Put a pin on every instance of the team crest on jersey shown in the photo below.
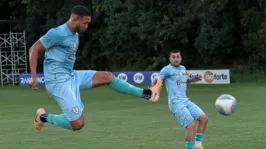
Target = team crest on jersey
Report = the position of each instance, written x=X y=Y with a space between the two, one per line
x=188 y=118
x=75 y=110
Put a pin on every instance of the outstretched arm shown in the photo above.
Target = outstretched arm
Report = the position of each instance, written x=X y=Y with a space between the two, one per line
x=194 y=79
x=189 y=80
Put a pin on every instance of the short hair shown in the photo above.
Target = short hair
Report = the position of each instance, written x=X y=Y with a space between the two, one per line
x=174 y=51
x=80 y=11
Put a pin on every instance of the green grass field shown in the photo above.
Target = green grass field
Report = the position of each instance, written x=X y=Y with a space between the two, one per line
x=116 y=121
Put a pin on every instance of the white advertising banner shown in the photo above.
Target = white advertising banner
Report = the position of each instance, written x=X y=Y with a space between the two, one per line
x=219 y=76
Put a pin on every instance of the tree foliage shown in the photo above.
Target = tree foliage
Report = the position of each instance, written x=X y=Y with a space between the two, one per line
x=137 y=34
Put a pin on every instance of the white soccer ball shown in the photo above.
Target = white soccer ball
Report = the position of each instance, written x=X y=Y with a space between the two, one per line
x=225 y=104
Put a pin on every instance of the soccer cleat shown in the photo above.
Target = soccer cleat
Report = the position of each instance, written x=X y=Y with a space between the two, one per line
x=38 y=124
x=156 y=90
x=198 y=147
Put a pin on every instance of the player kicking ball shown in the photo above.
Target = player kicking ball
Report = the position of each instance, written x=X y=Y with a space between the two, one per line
x=63 y=83
x=175 y=79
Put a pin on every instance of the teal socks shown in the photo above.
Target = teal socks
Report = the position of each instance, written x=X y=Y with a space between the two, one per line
x=59 y=120
x=198 y=141
x=126 y=88
x=190 y=145
x=199 y=138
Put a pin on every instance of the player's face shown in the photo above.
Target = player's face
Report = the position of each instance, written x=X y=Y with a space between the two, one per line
x=175 y=59
x=82 y=23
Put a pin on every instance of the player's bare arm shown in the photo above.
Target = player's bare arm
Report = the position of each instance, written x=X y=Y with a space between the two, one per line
x=158 y=82
x=35 y=49
x=194 y=79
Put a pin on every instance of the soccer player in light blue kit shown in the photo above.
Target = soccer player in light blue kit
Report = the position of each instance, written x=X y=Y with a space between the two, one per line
x=63 y=83
x=175 y=79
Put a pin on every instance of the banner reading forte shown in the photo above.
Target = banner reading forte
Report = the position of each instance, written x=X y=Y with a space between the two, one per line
x=211 y=76
x=146 y=77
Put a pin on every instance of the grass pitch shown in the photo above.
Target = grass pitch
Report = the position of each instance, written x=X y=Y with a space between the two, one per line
x=117 y=121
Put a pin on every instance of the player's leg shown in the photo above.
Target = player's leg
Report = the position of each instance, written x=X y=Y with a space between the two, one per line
x=203 y=121
x=186 y=121
x=190 y=135
x=99 y=78
x=67 y=95
x=199 y=115
x=60 y=120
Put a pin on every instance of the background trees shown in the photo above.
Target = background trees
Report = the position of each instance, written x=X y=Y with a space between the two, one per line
x=210 y=33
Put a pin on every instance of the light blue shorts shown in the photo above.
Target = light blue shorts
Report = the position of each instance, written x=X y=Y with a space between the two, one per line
x=185 y=113
x=67 y=94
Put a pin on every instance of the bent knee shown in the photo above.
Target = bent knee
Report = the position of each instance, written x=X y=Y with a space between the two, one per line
x=106 y=76
x=78 y=124
x=203 y=118
x=109 y=77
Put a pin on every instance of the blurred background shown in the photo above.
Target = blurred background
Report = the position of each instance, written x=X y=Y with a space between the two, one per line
x=210 y=33
x=222 y=41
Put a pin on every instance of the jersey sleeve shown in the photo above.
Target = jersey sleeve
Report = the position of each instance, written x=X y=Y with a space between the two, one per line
x=163 y=73
x=184 y=68
x=50 y=39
